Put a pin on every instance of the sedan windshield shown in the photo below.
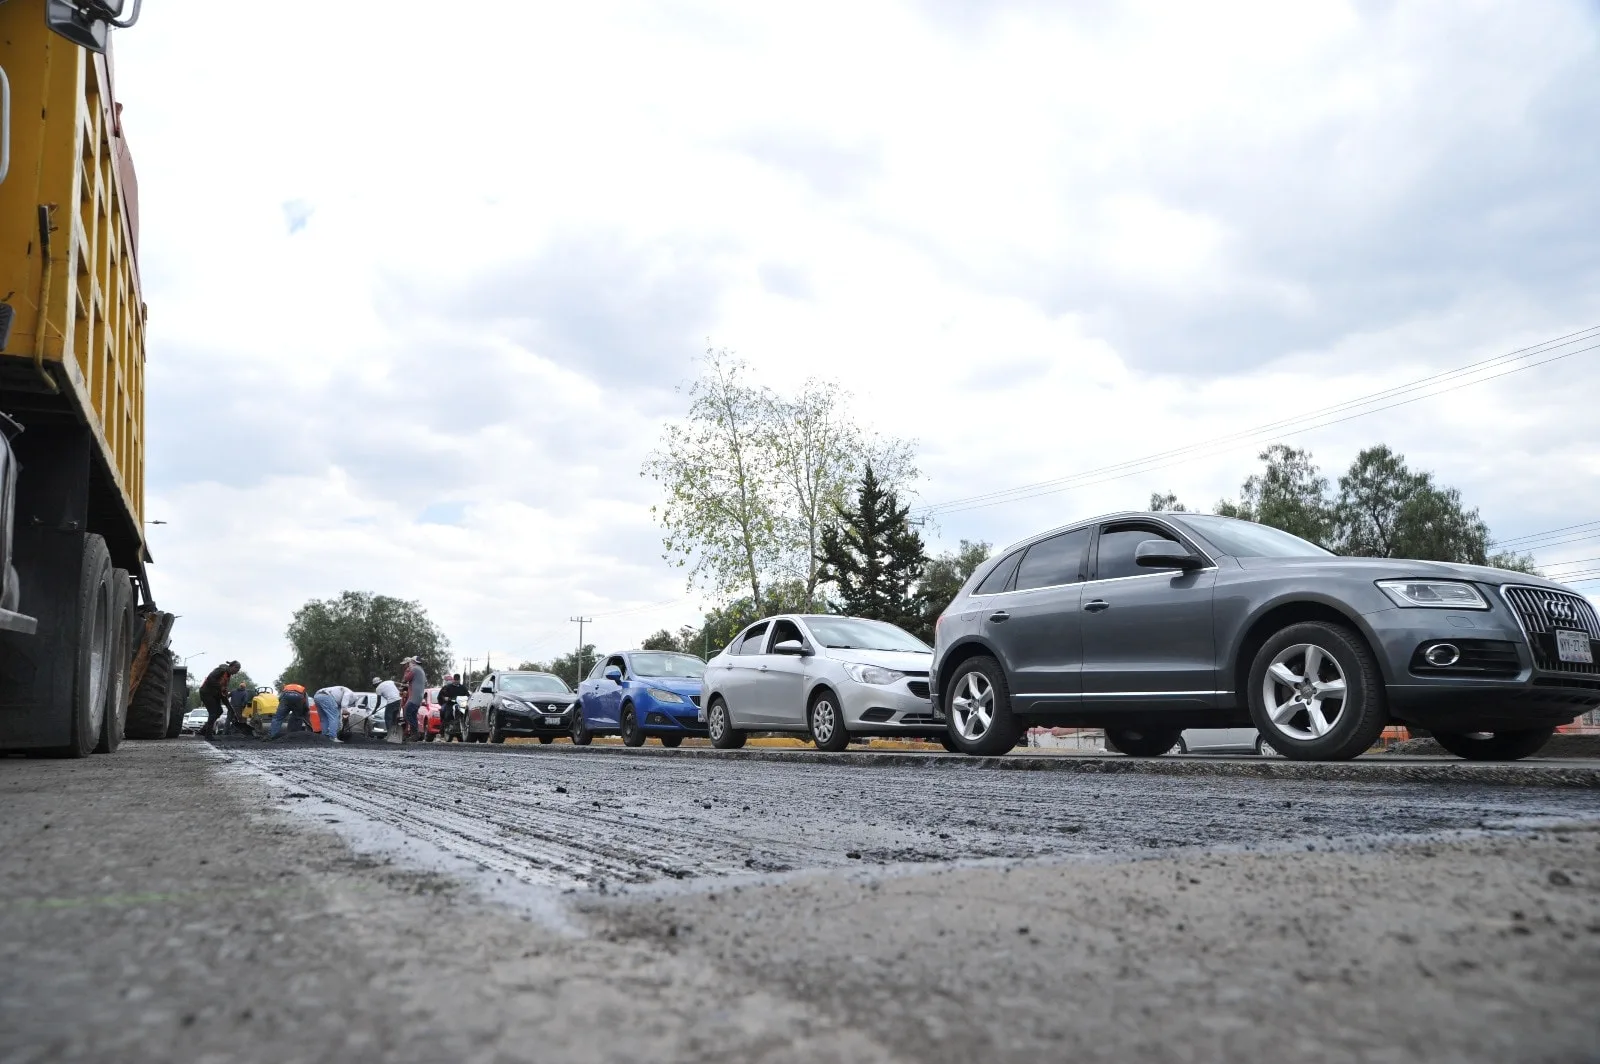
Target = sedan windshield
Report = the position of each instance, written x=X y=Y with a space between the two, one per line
x=853 y=633
x=679 y=666
x=532 y=683
x=1246 y=539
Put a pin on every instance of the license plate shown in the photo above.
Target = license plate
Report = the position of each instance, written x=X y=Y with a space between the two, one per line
x=552 y=720
x=700 y=715
x=1573 y=647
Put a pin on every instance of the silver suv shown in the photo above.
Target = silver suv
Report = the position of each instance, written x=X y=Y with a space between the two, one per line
x=1145 y=624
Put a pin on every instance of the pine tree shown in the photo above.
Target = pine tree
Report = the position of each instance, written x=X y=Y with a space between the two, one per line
x=874 y=557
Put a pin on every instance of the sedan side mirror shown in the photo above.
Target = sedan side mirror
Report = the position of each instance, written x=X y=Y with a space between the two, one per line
x=614 y=674
x=1165 y=554
x=791 y=646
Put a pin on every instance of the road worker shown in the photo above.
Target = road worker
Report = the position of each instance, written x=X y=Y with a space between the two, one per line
x=292 y=699
x=213 y=690
x=331 y=705
x=238 y=698
x=416 y=681
x=389 y=699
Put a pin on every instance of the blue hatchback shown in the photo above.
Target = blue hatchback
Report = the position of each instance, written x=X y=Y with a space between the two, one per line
x=640 y=693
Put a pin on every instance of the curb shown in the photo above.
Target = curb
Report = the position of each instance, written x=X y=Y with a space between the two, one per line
x=1372 y=770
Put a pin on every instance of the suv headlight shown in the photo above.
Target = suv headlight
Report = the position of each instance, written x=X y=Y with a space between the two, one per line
x=872 y=674
x=661 y=695
x=1434 y=594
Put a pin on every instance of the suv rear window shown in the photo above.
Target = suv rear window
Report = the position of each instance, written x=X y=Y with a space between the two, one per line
x=999 y=577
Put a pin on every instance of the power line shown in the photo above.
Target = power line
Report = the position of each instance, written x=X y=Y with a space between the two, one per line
x=1541 y=535
x=1571 y=561
x=1285 y=428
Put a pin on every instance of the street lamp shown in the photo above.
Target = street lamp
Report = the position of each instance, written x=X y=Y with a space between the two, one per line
x=194 y=655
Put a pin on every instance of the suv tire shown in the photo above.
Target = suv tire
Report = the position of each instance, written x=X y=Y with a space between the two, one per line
x=580 y=733
x=979 y=686
x=1495 y=746
x=1144 y=742
x=1303 y=668
x=719 y=725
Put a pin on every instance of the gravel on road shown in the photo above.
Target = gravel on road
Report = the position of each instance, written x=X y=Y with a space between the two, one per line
x=187 y=901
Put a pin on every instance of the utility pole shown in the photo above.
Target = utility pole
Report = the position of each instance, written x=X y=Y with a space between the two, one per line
x=466 y=677
x=580 y=622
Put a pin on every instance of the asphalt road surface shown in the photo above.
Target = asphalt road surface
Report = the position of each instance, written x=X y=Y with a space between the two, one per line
x=234 y=901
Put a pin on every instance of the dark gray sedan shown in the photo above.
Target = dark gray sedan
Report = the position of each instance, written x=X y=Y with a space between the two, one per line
x=1146 y=624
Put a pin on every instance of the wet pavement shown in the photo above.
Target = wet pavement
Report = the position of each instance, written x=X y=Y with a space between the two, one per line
x=575 y=819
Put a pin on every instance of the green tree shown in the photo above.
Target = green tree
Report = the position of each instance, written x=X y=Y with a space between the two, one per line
x=721 y=511
x=1167 y=503
x=681 y=641
x=350 y=639
x=751 y=479
x=874 y=557
x=942 y=577
x=818 y=451
x=1290 y=493
x=1387 y=510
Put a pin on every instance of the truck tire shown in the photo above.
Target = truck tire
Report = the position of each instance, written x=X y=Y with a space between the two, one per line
x=92 y=664
x=178 y=702
x=116 y=711
x=152 y=703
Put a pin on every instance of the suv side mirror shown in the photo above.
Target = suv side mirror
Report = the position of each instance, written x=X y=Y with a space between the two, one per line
x=1165 y=554
x=791 y=646
x=614 y=674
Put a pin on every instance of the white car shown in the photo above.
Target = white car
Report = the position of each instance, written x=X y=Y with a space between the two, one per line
x=1224 y=741
x=195 y=719
x=832 y=678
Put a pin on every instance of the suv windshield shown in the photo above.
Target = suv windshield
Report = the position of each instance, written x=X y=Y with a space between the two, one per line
x=532 y=683
x=683 y=666
x=1246 y=539
x=853 y=633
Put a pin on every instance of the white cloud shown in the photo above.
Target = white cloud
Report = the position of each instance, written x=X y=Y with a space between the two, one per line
x=419 y=286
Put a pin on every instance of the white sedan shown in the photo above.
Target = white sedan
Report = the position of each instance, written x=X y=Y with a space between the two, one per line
x=1224 y=741
x=195 y=719
x=832 y=678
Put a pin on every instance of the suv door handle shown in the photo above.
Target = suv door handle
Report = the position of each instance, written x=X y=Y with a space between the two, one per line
x=763 y=668
x=1096 y=605
x=1000 y=615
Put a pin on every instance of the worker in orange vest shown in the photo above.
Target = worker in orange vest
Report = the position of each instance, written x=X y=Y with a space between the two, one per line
x=292 y=700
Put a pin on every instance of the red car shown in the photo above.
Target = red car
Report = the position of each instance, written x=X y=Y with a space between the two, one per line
x=427 y=713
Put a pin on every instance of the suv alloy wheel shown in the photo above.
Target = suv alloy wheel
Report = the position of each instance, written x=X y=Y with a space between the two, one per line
x=1316 y=693
x=977 y=704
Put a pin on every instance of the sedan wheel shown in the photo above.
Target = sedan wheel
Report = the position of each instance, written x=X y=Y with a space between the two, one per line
x=978 y=707
x=1264 y=748
x=1316 y=694
x=495 y=734
x=827 y=723
x=632 y=734
x=546 y=740
x=724 y=736
x=671 y=742
x=581 y=736
x=1495 y=746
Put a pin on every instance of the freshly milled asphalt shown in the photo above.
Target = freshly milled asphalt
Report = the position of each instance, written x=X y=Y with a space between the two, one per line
x=190 y=901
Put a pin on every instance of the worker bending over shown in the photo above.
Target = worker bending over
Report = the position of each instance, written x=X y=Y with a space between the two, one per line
x=291 y=700
x=331 y=704
x=213 y=690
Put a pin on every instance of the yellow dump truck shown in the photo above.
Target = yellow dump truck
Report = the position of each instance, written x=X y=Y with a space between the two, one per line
x=83 y=648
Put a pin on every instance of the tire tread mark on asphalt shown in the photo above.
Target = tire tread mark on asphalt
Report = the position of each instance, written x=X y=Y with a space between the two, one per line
x=652 y=822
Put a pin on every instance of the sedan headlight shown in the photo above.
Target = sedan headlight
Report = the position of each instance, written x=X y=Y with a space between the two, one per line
x=872 y=674
x=1434 y=594
x=516 y=705
x=661 y=695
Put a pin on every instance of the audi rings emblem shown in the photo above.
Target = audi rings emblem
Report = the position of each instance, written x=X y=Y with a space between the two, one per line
x=1561 y=610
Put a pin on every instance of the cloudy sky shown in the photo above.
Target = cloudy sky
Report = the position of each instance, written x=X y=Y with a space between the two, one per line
x=421 y=285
